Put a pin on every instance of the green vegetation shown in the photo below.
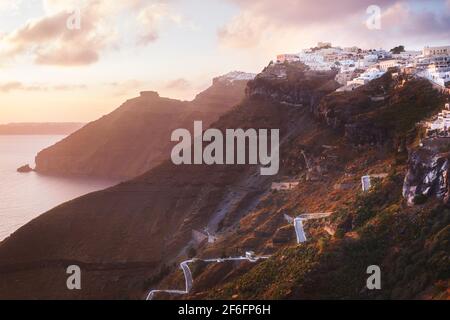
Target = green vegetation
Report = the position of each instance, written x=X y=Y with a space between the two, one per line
x=398 y=49
x=191 y=253
x=411 y=248
x=273 y=278
x=155 y=279
x=416 y=101
x=411 y=245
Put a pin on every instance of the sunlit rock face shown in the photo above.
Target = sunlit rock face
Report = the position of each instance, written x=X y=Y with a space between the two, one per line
x=292 y=84
x=136 y=136
x=427 y=176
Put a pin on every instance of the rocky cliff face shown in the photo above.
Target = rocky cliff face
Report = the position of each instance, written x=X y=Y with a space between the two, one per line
x=136 y=137
x=129 y=239
x=427 y=176
x=292 y=84
x=381 y=112
x=352 y=112
x=141 y=227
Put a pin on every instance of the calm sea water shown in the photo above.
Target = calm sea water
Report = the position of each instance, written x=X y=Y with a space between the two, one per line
x=24 y=196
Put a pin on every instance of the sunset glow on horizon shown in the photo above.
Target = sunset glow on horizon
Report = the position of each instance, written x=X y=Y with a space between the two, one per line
x=49 y=72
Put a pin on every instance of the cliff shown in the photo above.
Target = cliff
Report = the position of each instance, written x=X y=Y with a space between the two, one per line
x=136 y=137
x=129 y=239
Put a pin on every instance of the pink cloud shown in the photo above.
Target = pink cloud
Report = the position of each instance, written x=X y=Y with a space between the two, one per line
x=243 y=31
x=19 y=86
x=50 y=41
x=178 y=84
x=10 y=86
x=150 y=18
x=260 y=21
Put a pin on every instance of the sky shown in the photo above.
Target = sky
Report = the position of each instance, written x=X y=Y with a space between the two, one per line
x=76 y=60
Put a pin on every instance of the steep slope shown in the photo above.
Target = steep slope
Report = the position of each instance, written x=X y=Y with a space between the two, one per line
x=130 y=238
x=127 y=236
x=409 y=243
x=136 y=137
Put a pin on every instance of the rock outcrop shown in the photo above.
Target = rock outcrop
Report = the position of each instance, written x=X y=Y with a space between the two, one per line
x=292 y=84
x=427 y=176
x=132 y=231
x=25 y=169
x=127 y=238
x=136 y=137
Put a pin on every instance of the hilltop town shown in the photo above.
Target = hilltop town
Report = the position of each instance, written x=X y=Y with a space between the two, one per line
x=361 y=182
x=357 y=67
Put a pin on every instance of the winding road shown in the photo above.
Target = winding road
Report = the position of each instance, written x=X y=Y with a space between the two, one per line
x=189 y=282
x=298 y=223
x=188 y=274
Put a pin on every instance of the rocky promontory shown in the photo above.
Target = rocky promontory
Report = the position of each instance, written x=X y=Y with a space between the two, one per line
x=136 y=137
x=25 y=169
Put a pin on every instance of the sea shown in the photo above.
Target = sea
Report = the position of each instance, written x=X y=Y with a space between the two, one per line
x=25 y=196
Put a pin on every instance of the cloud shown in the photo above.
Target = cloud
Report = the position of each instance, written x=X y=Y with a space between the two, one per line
x=150 y=19
x=243 y=31
x=263 y=21
x=10 y=86
x=78 y=32
x=65 y=38
x=306 y=12
x=19 y=86
x=10 y=6
x=178 y=84
x=127 y=87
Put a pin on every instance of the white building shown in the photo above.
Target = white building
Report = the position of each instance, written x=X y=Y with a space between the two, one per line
x=366 y=183
x=284 y=186
x=386 y=64
x=366 y=61
x=250 y=255
x=422 y=62
x=371 y=57
x=346 y=65
x=315 y=61
x=438 y=75
x=442 y=122
x=407 y=55
x=286 y=57
x=433 y=51
x=367 y=76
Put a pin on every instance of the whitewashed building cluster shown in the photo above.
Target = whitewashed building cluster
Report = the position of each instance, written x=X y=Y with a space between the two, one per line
x=434 y=65
x=440 y=125
x=356 y=67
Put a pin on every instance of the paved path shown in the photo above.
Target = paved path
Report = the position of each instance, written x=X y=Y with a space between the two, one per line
x=299 y=231
x=189 y=282
x=298 y=223
x=188 y=274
